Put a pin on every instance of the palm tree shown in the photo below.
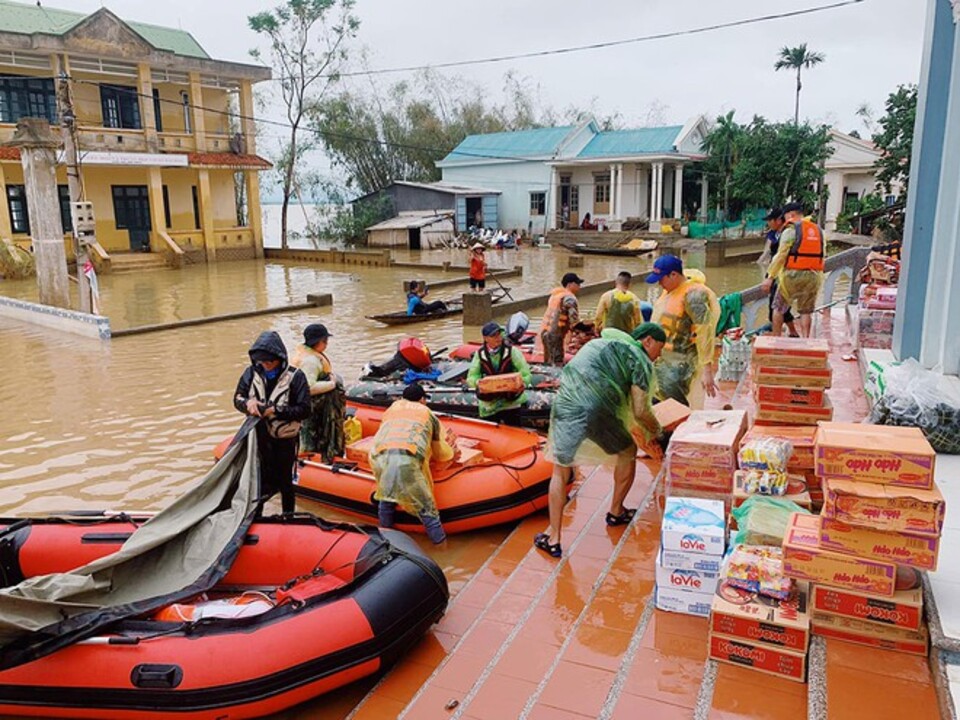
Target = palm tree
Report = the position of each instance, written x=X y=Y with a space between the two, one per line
x=722 y=145
x=796 y=59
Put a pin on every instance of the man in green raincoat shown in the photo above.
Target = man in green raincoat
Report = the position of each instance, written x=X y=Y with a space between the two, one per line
x=496 y=357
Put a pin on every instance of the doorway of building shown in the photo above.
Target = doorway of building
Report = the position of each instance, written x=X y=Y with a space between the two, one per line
x=414 y=238
x=569 y=209
x=131 y=209
x=475 y=212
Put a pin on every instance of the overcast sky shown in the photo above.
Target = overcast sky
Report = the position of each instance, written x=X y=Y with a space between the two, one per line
x=870 y=48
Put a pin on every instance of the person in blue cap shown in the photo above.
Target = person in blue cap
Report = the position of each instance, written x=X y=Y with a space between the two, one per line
x=688 y=311
x=497 y=357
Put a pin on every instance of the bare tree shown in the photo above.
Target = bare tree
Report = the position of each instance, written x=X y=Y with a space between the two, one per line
x=308 y=40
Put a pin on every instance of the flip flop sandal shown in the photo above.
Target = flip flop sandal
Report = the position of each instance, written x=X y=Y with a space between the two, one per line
x=542 y=542
x=622 y=519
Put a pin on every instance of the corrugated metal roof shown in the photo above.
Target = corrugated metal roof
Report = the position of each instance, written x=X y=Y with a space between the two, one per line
x=26 y=19
x=411 y=220
x=538 y=142
x=642 y=141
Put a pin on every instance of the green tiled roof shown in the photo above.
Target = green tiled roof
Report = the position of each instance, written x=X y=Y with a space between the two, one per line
x=538 y=142
x=642 y=141
x=16 y=17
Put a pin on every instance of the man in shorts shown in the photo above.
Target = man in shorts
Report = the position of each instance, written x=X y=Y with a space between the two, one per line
x=603 y=407
x=798 y=268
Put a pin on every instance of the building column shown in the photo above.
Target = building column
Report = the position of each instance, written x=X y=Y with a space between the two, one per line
x=678 y=191
x=206 y=214
x=196 y=112
x=929 y=148
x=619 y=191
x=656 y=197
x=6 y=230
x=551 y=202
x=147 y=117
x=704 y=198
x=158 y=219
x=248 y=127
x=254 y=213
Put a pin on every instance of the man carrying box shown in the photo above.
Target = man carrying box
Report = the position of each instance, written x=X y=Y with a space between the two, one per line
x=496 y=357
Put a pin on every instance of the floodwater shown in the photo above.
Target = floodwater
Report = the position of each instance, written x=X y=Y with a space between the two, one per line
x=130 y=423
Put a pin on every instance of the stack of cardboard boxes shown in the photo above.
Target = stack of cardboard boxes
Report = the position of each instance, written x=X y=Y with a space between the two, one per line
x=692 y=541
x=881 y=522
x=702 y=455
x=790 y=378
x=799 y=466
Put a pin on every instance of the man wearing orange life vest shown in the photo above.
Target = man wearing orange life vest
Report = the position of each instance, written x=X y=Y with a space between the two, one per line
x=410 y=436
x=798 y=268
x=563 y=312
x=688 y=311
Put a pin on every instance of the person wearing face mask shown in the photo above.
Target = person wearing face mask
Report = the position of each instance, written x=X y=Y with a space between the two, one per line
x=271 y=389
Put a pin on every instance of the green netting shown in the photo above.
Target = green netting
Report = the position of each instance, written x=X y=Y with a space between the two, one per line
x=751 y=222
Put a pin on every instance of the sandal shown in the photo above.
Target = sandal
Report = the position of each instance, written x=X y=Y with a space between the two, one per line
x=623 y=518
x=542 y=542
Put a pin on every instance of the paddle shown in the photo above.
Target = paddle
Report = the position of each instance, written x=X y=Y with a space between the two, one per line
x=505 y=290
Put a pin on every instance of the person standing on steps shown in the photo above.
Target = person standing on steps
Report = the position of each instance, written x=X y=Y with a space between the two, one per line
x=278 y=393
x=774 y=225
x=602 y=409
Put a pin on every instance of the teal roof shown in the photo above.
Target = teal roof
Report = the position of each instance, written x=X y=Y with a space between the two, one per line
x=25 y=19
x=519 y=144
x=642 y=141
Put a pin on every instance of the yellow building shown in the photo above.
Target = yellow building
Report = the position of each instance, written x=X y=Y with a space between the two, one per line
x=166 y=136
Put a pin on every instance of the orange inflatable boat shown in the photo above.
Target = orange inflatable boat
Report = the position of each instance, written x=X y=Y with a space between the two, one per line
x=502 y=476
x=306 y=607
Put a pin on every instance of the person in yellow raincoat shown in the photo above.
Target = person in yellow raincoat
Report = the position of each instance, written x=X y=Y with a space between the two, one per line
x=798 y=269
x=619 y=308
x=601 y=412
x=410 y=436
x=688 y=311
x=322 y=432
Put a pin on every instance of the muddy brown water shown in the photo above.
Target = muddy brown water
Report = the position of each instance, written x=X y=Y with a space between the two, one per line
x=130 y=423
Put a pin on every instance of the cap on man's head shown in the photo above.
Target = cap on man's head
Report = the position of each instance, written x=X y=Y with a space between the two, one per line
x=414 y=392
x=649 y=329
x=490 y=329
x=774 y=214
x=663 y=266
x=792 y=207
x=312 y=334
x=572 y=278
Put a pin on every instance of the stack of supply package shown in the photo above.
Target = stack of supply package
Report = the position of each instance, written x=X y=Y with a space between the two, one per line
x=802 y=484
x=702 y=456
x=881 y=523
x=877 y=304
x=790 y=377
x=692 y=541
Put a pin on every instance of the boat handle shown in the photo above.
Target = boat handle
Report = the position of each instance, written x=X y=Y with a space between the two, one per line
x=156 y=676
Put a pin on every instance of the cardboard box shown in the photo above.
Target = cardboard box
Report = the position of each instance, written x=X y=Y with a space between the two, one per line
x=690 y=561
x=683 y=474
x=505 y=384
x=794 y=414
x=804 y=559
x=359 y=451
x=764 y=658
x=670 y=414
x=875 y=453
x=866 y=633
x=903 y=610
x=796 y=490
x=904 y=549
x=693 y=525
x=683 y=601
x=790 y=395
x=709 y=437
x=884 y=507
x=778 y=623
x=792 y=377
x=664 y=492
x=786 y=352
x=696 y=581
x=801 y=437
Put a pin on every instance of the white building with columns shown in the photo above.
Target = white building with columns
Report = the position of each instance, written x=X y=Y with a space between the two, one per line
x=551 y=178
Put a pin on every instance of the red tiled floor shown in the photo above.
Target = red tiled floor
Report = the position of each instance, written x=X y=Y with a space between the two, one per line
x=486 y=638
x=432 y=705
x=733 y=699
x=528 y=582
x=876 y=660
x=671 y=679
x=403 y=681
x=527 y=660
x=635 y=707
x=477 y=594
x=598 y=647
x=578 y=688
x=546 y=712
x=501 y=696
x=509 y=608
x=458 y=619
x=377 y=708
x=856 y=694
x=460 y=671
x=734 y=675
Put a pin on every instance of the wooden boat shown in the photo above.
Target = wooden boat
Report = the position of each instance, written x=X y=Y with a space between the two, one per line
x=328 y=604
x=454 y=400
x=642 y=248
x=454 y=307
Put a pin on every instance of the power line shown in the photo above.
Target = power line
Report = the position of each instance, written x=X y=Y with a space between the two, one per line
x=600 y=45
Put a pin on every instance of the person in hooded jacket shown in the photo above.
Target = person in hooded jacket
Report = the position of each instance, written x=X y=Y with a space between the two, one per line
x=279 y=394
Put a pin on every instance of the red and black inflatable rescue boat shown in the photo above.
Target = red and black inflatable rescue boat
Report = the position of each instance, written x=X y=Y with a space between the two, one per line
x=337 y=603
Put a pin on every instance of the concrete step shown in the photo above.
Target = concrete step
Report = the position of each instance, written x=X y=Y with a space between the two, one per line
x=135 y=262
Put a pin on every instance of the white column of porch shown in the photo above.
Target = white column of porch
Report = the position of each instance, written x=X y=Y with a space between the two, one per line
x=704 y=197
x=656 y=196
x=619 y=212
x=678 y=190
x=549 y=207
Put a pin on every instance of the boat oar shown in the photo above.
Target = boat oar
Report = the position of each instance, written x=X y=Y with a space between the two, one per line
x=505 y=290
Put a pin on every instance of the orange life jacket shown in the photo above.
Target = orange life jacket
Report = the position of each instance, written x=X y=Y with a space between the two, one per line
x=406 y=426
x=554 y=320
x=670 y=311
x=807 y=251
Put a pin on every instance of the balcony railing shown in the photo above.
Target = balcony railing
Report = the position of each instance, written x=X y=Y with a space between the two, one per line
x=115 y=139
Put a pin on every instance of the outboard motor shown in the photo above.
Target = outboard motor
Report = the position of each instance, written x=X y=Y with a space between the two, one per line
x=517 y=326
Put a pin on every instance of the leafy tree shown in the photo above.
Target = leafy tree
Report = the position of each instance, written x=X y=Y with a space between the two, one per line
x=722 y=145
x=308 y=40
x=798 y=58
x=895 y=138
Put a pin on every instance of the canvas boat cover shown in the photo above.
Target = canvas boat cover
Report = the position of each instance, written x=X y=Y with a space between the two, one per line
x=180 y=552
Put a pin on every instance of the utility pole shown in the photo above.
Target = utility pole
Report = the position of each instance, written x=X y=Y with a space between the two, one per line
x=68 y=127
